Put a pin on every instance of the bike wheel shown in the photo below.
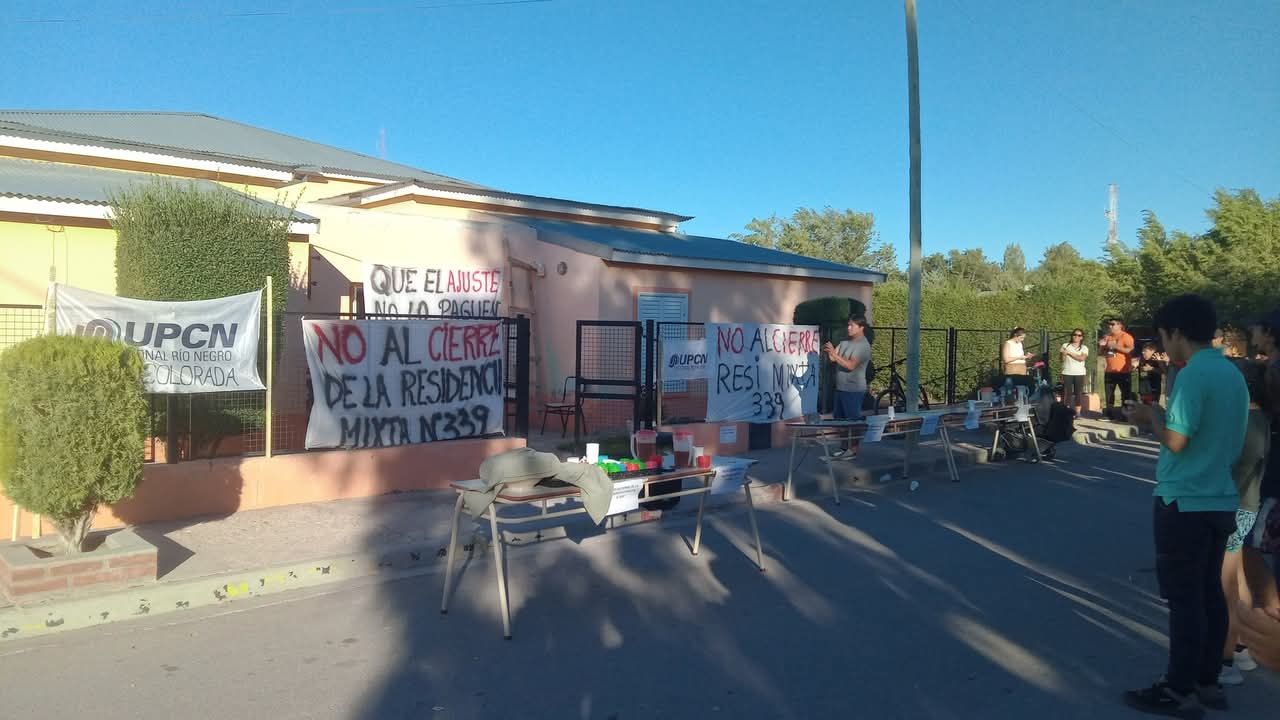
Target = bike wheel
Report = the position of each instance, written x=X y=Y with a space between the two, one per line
x=888 y=399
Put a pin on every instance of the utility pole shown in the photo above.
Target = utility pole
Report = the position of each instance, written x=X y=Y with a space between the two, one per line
x=914 y=267
x=1113 y=196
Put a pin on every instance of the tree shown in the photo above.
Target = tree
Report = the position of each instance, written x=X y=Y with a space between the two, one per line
x=1236 y=263
x=1013 y=268
x=841 y=236
x=72 y=423
x=184 y=241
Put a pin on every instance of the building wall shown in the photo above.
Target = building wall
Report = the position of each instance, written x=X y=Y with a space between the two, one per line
x=322 y=268
x=227 y=485
x=80 y=256
x=717 y=296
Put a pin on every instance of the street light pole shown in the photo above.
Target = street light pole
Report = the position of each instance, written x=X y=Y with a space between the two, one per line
x=914 y=268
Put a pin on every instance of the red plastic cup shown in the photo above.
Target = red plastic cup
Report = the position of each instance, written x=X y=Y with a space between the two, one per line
x=704 y=462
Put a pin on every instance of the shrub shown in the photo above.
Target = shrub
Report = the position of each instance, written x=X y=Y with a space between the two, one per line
x=186 y=241
x=72 y=421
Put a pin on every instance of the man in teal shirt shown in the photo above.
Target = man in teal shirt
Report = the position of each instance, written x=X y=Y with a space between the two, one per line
x=1201 y=435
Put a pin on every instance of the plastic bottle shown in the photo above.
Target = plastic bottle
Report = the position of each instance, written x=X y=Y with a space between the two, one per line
x=1007 y=395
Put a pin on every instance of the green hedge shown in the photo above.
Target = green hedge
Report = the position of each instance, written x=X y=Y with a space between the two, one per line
x=983 y=321
x=72 y=423
x=831 y=314
x=183 y=241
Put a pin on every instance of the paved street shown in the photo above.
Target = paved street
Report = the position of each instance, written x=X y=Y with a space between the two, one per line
x=1023 y=591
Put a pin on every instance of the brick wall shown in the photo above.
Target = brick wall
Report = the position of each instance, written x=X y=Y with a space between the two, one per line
x=25 y=578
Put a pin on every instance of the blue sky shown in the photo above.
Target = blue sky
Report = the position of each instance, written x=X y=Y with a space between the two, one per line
x=722 y=110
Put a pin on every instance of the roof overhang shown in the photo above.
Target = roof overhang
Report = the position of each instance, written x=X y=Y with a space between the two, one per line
x=142 y=157
x=615 y=256
x=96 y=211
x=608 y=254
x=91 y=152
x=585 y=212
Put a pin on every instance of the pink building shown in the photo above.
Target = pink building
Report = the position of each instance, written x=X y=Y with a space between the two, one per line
x=561 y=261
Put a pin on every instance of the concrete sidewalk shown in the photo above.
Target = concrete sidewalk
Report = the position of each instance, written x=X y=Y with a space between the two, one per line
x=209 y=561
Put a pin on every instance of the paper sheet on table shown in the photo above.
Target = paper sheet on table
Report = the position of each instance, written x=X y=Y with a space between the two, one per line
x=971 y=419
x=929 y=423
x=875 y=428
x=1023 y=414
x=626 y=496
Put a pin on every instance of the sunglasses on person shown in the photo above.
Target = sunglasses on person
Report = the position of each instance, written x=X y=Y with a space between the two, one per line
x=1075 y=335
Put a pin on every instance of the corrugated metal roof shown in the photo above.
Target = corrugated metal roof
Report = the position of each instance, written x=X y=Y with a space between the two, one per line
x=203 y=136
x=38 y=180
x=651 y=247
x=566 y=205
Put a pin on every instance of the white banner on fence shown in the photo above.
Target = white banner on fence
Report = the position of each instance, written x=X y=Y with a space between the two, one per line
x=432 y=291
x=762 y=373
x=186 y=347
x=382 y=383
x=685 y=360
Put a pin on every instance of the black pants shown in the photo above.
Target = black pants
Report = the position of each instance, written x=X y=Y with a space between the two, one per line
x=1189 y=548
x=1072 y=390
x=1120 y=380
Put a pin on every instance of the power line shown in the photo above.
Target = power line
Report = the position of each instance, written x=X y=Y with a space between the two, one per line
x=1079 y=107
x=248 y=14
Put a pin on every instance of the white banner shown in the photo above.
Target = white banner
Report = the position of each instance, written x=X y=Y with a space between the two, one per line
x=382 y=383
x=685 y=360
x=432 y=291
x=186 y=347
x=762 y=373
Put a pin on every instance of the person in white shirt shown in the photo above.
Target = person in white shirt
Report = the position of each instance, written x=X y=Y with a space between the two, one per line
x=1074 y=354
x=1013 y=357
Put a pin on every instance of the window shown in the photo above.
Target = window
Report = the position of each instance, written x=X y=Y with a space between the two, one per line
x=663 y=307
x=356 y=292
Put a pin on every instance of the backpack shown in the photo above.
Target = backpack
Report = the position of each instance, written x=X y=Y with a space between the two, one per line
x=1060 y=424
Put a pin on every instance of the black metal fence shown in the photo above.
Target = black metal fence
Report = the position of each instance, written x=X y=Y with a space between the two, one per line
x=955 y=363
x=20 y=322
x=613 y=359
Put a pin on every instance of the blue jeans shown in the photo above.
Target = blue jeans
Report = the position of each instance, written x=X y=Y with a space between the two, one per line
x=848 y=405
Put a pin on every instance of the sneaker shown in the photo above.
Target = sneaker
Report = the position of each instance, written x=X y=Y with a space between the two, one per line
x=1230 y=675
x=1212 y=697
x=1245 y=661
x=1160 y=699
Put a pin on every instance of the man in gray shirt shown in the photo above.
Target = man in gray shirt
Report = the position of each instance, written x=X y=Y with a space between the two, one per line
x=851 y=359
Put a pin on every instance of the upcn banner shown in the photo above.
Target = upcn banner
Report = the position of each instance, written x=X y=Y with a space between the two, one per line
x=685 y=360
x=382 y=383
x=187 y=347
x=762 y=373
x=432 y=291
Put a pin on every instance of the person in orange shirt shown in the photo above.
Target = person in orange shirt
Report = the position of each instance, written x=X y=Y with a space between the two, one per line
x=1116 y=346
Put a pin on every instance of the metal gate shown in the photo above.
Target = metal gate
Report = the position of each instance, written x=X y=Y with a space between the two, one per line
x=611 y=389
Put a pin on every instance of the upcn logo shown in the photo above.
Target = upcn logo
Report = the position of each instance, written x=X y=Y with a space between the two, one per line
x=690 y=360
x=194 y=336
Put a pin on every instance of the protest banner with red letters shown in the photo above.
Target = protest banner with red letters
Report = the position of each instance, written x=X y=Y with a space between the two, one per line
x=762 y=373
x=383 y=383
x=432 y=291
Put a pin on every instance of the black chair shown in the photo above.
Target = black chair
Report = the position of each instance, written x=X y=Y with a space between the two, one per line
x=565 y=408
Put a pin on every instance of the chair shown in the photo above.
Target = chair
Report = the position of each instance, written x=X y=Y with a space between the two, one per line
x=565 y=408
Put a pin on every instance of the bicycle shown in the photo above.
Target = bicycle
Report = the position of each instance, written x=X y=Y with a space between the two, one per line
x=896 y=395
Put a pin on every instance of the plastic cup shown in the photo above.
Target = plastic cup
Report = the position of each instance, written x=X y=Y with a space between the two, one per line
x=593 y=453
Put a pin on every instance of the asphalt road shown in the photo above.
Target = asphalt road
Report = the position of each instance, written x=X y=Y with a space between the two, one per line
x=1023 y=591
